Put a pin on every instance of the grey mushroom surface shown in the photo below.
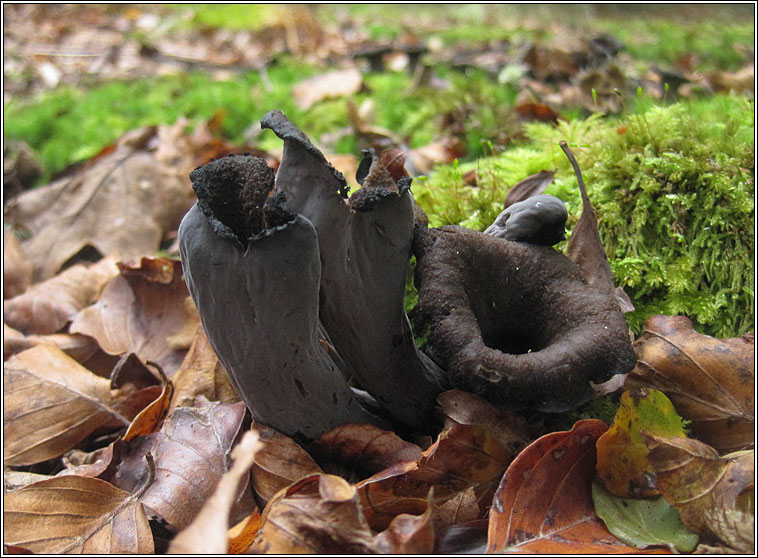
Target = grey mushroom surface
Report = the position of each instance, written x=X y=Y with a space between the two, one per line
x=539 y=219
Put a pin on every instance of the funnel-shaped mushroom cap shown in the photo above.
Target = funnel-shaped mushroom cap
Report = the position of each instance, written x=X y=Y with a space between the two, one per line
x=538 y=219
x=514 y=322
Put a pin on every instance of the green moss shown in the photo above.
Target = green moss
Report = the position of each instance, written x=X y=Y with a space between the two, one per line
x=673 y=190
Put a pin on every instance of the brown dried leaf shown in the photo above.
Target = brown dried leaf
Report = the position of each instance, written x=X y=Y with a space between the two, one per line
x=77 y=515
x=421 y=160
x=149 y=418
x=408 y=534
x=51 y=403
x=17 y=269
x=50 y=305
x=191 y=455
x=242 y=535
x=279 y=463
x=339 y=83
x=207 y=534
x=320 y=514
x=122 y=206
x=81 y=348
x=90 y=464
x=201 y=373
x=710 y=381
x=584 y=246
x=544 y=502
x=138 y=312
x=530 y=186
x=363 y=449
x=474 y=449
x=704 y=487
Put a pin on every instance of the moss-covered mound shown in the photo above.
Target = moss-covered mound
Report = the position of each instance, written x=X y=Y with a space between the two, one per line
x=674 y=192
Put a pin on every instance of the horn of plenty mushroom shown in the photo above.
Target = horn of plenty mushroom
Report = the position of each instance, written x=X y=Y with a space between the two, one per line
x=365 y=243
x=253 y=270
x=516 y=322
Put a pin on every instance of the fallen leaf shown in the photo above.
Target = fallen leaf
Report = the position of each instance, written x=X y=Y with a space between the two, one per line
x=149 y=418
x=705 y=488
x=90 y=464
x=82 y=348
x=622 y=461
x=473 y=450
x=643 y=523
x=320 y=514
x=48 y=306
x=422 y=159
x=121 y=206
x=408 y=534
x=207 y=534
x=191 y=455
x=362 y=449
x=544 y=502
x=279 y=463
x=530 y=186
x=138 y=311
x=242 y=535
x=339 y=83
x=201 y=373
x=51 y=403
x=528 y=111
x=710 y=381
x=584 y=246
x=17 y=269
x=77 y=515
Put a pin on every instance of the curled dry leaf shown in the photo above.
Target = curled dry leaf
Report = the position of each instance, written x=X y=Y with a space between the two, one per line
x=191 y=455
x=320 y=514
x=121 y=205
x=710 y=381
x=530 y=186
x=77 y=515
x=705 y=488
x=339 y=83
x=201 y=373
x=544 y=502
x=409 y=534
x=474 y=449
x=50 y=305
x=622 y=453
x=17 y=269
x=207 y=534
x=278 y=464
x=138 y=311
x=149 y=418
x=363 y=449
x=51 y=403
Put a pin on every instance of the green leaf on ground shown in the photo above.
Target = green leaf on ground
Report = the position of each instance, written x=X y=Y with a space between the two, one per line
x=622 y=461
x=643 y=523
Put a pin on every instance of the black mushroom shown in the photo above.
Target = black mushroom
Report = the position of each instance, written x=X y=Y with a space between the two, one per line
x=365 y=243
x=539 y=219
x=516 y=322
x=253 y=270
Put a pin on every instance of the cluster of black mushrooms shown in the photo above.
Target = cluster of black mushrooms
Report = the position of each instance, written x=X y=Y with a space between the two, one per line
x=300 y=289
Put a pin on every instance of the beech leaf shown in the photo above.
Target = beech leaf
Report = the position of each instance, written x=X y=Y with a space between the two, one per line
x=710 y=381
x=584 y=246
x=78 y=515
x=121 y=205
x=706 y=489
x=201 y=373
x=544 y=502
x=320 y=514
x=17 y=269
x=643 y=523
x=149 y=418
x=207 y=534
x=191 y=455
x=278 y=463
x=338 y=83
x=622 y=453
x=51 y=403
x=139 y=311
x=50 y=305
x=529 y=186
